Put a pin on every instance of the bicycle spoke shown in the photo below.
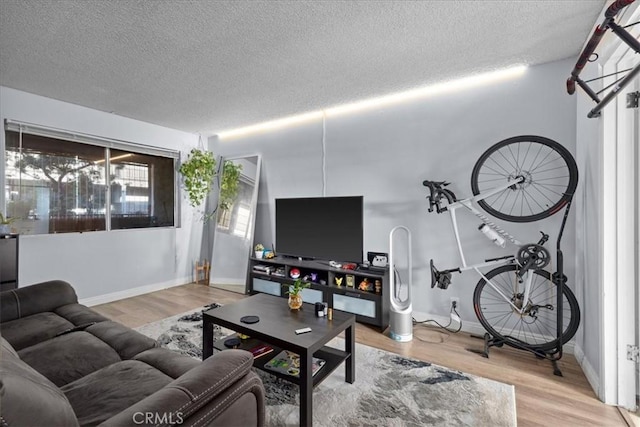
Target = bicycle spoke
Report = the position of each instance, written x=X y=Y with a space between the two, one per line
x=512 y=166
x=535 y=326
x=529 y=204
x=543 y=174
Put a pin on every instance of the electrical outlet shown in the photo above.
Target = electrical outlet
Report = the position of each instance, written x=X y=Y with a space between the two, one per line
x=455 y=302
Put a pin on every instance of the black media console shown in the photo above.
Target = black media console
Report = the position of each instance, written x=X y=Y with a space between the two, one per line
x=8 y=261
x=364 y=293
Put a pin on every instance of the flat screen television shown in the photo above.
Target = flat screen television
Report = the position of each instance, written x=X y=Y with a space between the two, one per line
x=327 y=228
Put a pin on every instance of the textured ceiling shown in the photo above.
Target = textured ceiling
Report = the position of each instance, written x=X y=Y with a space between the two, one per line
x=207 y=66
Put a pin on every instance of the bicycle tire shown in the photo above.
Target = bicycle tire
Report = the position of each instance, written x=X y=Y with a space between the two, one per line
x=549 y=171
x=537 y=332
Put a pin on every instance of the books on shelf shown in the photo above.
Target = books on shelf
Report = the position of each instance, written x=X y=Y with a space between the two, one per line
x=260 y=350
x=288 y=363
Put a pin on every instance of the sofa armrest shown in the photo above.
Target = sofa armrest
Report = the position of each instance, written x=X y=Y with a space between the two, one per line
x=201 y=395
x=38 y=298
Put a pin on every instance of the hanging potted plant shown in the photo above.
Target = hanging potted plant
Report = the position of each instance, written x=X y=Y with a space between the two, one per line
x=198 y=172
x=295 y=299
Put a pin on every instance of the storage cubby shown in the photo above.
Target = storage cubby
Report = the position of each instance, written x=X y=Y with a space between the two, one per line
x=364 y=293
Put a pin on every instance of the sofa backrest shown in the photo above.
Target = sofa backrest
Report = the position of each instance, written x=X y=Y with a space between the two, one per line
x=27 y=398
x=46 y=296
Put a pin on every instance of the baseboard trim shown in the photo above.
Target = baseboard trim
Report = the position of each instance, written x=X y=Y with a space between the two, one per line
x=475 y=328
x=589 y=372
x=227 y=281
x=133 y=292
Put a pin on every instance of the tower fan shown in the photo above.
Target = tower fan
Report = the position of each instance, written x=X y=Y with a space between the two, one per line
x=400 y=319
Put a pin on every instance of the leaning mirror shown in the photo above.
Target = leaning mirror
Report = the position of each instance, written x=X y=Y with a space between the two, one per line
x=235 y=222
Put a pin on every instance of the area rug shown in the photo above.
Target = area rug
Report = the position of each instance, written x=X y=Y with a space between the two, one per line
x=389 y=390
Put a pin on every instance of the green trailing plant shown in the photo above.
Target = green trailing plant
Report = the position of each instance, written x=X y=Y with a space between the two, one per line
x=296 y=287
x=230 y=184
x=6 y=221
x=198 y=172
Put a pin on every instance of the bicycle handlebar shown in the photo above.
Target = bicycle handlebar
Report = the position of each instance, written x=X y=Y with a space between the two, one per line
x=595 y=39
x=436 y=193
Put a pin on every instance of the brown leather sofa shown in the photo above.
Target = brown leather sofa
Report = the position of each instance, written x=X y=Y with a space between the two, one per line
x=63 y=364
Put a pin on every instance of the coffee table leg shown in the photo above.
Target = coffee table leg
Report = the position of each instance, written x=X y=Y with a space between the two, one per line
x=207 y=338
x=350 y=347
x=306 y=390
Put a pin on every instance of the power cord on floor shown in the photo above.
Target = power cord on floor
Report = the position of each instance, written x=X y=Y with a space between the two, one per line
x=445 y=327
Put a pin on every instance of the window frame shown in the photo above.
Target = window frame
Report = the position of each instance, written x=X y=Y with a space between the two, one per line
x=108 y=144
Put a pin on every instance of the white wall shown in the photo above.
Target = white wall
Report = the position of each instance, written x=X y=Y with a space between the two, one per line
x=386 y=153
x=105 y=266
x=589 y=226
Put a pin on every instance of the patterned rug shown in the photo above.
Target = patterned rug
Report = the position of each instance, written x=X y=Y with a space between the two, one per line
x=390 y=390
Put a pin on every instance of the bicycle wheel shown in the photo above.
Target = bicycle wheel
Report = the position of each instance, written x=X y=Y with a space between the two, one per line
x=547 y=170
x=536 y=327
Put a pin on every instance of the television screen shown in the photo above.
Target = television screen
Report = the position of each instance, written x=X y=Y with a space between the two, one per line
x=328 y=228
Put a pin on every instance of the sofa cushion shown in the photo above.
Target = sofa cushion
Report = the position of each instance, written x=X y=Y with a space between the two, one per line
x=68 y=357
x=125 y=341
x=33 y=329
x=27 y=398
x=79 y=314
x=106 y=392
x=7 y=348
x=39 y=298
x=167 y=361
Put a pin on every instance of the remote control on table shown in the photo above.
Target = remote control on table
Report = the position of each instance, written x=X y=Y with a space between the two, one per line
x=302 y=331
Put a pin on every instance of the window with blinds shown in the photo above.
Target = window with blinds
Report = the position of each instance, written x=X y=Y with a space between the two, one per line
x=60 y=182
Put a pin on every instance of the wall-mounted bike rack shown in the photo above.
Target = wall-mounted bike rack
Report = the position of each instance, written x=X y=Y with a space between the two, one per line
x=589 y=50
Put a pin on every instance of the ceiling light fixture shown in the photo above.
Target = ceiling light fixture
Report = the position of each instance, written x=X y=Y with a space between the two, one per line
x=431 y=90
x=423 y=92
x=270 y=125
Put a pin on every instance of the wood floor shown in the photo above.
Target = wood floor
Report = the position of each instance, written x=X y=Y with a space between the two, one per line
x=542 y=399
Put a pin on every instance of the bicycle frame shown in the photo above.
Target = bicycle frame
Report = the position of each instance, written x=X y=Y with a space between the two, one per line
x=468 y=204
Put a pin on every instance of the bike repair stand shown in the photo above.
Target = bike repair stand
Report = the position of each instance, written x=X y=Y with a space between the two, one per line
x=559 y=279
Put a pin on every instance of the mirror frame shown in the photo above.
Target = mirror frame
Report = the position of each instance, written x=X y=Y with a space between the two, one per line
x=251 y=226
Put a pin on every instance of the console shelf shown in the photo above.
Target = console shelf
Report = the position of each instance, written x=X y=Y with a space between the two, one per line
x=364 y=293
x=333 y=357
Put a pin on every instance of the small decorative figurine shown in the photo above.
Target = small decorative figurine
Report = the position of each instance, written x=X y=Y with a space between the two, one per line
x=339 y=281
x=294 y=273
x=364 y=285
x=351 y=281
x=378 y=286
x=313 y=277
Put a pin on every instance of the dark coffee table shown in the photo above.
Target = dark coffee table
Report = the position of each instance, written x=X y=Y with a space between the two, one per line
x=277 y=327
